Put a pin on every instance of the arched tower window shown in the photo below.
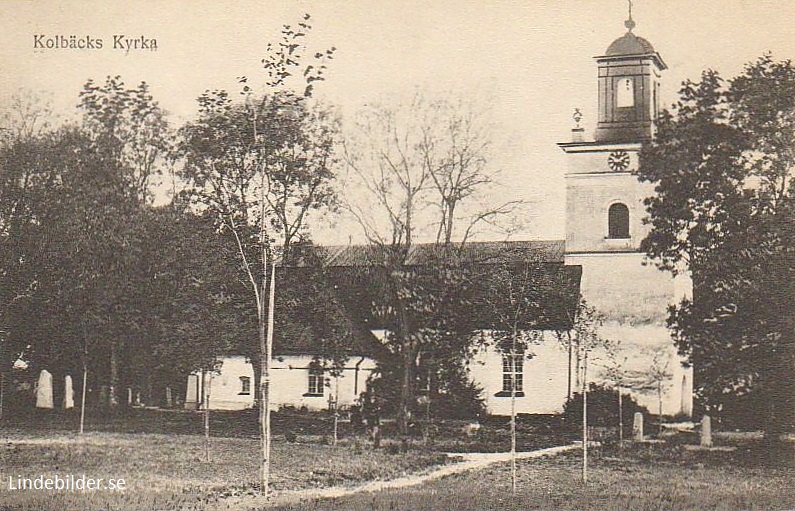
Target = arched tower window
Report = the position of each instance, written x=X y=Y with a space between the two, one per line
x=618 y=221
x=625 y=93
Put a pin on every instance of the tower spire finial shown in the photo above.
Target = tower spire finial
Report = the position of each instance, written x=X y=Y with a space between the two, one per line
x=630 y=23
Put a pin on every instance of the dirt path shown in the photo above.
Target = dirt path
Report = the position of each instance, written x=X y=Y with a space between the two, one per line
x=469 y=461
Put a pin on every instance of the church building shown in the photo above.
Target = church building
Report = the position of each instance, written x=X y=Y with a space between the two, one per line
x=604 y=226
x=600 y=256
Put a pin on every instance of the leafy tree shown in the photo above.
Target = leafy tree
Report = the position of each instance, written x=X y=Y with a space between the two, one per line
x=27 y=150
x=260 y=164
x=586 y=321
x=73 y=244
x=722 y=165
x=129 y=125
x=515 y=298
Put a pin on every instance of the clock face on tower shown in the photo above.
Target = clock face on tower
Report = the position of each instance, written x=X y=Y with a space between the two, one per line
x=618 y=160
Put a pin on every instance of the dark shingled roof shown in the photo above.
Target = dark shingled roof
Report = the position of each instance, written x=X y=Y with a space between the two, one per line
x=422 y=253
x=354 y=276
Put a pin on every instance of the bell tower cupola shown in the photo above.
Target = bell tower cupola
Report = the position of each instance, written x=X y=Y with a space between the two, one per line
x=604 y=199
x=629 y=77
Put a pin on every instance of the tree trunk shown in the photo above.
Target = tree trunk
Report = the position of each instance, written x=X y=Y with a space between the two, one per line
x=406 y=387
x=266 y=343
x=659 y=409
x=206 y=390
x=571 y=355
x=83 y=397
x=264 y=390
x=585 y=417
x=513 y=411
x=2 y=385
x=256 y=365
x=113 y=400
x=620 y=418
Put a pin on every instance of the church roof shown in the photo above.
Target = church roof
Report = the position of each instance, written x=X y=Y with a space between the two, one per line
x=629 y=44
x=420 y=254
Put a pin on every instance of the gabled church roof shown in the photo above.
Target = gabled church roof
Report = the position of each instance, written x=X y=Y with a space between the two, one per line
x=349 y=280
x=419 y=254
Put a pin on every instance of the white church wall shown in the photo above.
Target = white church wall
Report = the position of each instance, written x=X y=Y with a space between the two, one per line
x=545 y=379
x=640 y=344
x=625 y=290
x=289 y=384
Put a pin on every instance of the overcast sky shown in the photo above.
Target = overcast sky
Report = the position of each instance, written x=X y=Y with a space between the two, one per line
x=530 y=62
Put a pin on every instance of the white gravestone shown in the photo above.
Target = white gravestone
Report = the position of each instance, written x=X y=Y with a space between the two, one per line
x=44 y=390
x=69 y=393
x=637 y=427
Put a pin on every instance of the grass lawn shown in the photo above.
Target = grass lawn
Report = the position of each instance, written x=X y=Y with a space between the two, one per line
x=168 y=471
x=645 y=477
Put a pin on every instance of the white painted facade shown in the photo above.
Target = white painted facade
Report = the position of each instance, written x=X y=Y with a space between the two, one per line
x=544 y=378
x=290 y=384
x=546 y=369
x=617 y=279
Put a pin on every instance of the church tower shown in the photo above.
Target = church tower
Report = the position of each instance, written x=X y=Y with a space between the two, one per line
x=605 y=211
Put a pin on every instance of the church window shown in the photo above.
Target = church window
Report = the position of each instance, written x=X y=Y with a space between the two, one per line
x=618 y=221
x=625 y=93
x=512 y=372
x=245 y=385
x=317 y=380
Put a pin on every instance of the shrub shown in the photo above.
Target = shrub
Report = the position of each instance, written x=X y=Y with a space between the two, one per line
x=453 y=395
x=602 y=409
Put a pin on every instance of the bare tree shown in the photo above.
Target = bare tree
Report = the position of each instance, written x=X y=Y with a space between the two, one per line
x=654 y=378
x=425 y=167
x=584 y=338
x=24 y=116
x=614 y=370
x=426 y=163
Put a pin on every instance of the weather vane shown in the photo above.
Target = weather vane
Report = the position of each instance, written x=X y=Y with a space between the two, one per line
x=630 y=23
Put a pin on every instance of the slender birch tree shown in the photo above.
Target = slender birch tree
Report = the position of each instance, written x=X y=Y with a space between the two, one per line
x=260 y=166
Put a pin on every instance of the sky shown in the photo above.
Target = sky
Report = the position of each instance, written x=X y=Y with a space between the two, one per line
x=528 y=63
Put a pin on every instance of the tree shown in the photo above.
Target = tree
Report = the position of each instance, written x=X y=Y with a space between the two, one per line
x=655 y=379
x=26 y=145
x=722 y=165
x=237 y=155
x=424 y=165
x=26 y=116
x=586 y=321
x=614 y=371
x=76 y=246
x=131 y=127
x=515 y=299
